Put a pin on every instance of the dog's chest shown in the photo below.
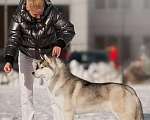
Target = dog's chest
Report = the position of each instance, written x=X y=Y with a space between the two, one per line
x=59 y=100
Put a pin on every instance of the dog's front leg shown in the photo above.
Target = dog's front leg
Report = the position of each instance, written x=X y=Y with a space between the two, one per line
x=68 y=115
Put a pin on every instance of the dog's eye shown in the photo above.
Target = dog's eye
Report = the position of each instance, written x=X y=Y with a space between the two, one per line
x=42 y=67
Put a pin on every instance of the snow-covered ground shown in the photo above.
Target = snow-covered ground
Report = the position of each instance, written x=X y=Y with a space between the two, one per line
x=10 y=104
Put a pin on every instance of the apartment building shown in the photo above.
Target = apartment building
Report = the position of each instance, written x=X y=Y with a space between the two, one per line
x=123 y=22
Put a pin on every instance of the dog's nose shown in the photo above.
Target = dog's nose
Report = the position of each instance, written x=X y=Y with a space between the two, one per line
x=33 y=73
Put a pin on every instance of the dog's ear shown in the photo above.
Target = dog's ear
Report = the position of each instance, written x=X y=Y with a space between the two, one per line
x=42 y=57
x=46 y=58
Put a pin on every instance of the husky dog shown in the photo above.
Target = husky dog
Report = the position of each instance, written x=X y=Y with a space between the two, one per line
x=74 y=95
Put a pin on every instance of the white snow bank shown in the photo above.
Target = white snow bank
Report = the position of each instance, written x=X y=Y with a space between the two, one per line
x=97 y=72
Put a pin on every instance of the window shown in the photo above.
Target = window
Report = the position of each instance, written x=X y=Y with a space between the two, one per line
x=146 y=40
x=126 y=4
x=100 y=43
x=100 y=4
x=112 y=40
x=123 y=43
x=125 y=49
x=147 y=4
x=146 y=43
x=113 y=4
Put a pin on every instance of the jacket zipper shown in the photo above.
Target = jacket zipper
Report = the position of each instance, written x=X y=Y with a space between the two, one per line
x=37 y=41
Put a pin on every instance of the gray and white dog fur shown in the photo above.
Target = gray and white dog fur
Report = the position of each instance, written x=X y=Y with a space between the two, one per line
x=74 y=95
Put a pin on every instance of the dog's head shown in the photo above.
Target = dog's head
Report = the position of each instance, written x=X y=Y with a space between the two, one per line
x=46 y=68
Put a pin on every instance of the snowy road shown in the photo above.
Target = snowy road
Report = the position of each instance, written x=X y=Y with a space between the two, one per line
x=10 y=104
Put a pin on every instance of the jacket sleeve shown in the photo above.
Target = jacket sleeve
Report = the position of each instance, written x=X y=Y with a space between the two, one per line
x=14 y=38
x=64 y=29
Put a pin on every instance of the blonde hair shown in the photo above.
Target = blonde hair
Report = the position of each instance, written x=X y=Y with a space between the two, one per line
x=35 y=4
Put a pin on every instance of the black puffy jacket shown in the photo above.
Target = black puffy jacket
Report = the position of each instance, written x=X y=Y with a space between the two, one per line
x=35 y=37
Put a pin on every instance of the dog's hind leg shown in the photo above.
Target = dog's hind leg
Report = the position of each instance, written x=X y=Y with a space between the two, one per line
x=68 y=115
x=123 y=111
x=126 y=117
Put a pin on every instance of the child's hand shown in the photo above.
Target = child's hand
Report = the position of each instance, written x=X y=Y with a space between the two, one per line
x=56 y=51
x=8 y=67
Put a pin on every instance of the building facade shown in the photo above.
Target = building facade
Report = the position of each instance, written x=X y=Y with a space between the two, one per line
x=121 y=22
x=124 y=22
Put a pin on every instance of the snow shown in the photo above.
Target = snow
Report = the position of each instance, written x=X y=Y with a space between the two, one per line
x=97 y=72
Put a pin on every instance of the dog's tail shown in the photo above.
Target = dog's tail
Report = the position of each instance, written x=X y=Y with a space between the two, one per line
x=139 y=110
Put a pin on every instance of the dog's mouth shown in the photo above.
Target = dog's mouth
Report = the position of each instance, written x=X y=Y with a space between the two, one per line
x=40 y=76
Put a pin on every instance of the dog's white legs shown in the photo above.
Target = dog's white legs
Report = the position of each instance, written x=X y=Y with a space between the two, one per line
x=57 y=114
x=124 y=116
x=127 y=118
x=68 y=115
